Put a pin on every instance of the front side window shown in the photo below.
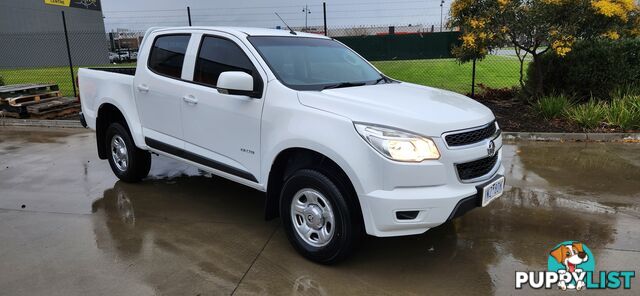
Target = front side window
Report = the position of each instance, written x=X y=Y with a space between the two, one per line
x=167 y=55
x=219 y=55
x=314 y=63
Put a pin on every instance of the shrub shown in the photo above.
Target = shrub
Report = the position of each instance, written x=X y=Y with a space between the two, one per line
x=1 y=81
x=593 y=68
x=552 y=106
x=589 y=115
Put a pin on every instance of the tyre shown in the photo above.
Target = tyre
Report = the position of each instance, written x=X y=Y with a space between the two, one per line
x=320 y=216
x=128 y=162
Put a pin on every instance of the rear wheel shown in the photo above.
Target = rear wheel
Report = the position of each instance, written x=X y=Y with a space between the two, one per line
x=128 y=162
x=319 y=217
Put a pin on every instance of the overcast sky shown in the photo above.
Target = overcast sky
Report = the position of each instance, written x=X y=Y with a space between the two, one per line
x=141 y=14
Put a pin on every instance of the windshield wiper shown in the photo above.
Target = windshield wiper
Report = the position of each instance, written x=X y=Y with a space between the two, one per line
x=382 y=78
x=343 y=84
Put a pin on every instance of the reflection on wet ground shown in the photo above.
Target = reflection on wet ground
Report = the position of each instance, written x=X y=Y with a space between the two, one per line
x=184 y=232
x=597 y=170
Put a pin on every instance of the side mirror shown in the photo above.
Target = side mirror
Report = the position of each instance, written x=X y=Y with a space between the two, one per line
x=235 y=83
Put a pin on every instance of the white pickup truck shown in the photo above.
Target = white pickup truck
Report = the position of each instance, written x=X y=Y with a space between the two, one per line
x=339 y=148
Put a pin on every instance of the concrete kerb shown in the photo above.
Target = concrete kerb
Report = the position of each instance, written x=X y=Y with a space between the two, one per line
x=40 y=123
x=572 y=137
x=507 y=136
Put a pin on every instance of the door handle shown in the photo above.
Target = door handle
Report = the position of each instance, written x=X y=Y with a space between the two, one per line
x=190 y=100
x=143 y=88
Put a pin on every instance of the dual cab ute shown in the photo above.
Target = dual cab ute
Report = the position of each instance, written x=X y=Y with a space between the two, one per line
x=339 y=148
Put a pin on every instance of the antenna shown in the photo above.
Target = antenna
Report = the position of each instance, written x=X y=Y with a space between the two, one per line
x=285 y=23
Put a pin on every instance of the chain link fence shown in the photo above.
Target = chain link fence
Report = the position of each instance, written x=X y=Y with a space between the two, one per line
x=422 y=55
x=45 y=58
x=414 y=53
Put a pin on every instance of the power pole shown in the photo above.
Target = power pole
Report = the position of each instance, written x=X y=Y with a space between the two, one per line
x=306 y=13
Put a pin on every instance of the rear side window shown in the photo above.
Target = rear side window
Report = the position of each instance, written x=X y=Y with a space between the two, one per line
x=167 y=55
x=219 y=55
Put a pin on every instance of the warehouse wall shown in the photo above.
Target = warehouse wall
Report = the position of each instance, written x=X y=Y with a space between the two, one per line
x=32 y=35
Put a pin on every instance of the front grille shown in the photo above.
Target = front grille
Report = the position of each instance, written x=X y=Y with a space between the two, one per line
x=470 y=137
x=476 y=168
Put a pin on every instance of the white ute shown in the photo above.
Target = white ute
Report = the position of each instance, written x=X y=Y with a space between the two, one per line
x=339 y=148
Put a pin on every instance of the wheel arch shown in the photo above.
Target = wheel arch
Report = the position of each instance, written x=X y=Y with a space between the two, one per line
x=295 y=158
x=107 y=113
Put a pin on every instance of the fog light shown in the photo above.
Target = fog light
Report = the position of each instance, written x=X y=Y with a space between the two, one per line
x=406 y=215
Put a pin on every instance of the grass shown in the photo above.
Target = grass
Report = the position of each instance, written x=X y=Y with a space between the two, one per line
x=626 y=90
x=57 y=75
x=621 y=109
x=589 y=115
x=493 y=71
x=551 y=107
x=624 y=112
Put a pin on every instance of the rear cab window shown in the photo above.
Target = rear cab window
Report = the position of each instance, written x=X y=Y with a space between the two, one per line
x=167 y=54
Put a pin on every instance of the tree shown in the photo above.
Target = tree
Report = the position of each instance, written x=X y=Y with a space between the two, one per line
x=534 y=27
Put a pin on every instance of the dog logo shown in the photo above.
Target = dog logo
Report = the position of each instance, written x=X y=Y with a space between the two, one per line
x=571 y=266
x=491 y=148
x=573 y=258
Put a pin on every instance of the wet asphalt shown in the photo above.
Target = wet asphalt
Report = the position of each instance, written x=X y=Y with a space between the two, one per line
x=69 y=227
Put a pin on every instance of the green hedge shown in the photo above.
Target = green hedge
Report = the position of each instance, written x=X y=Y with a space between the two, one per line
x=592 y=68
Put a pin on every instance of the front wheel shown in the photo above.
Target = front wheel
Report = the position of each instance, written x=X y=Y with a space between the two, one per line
x=319 y=217
x=128 y=162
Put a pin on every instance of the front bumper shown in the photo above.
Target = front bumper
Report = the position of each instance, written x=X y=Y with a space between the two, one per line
x=434 y=204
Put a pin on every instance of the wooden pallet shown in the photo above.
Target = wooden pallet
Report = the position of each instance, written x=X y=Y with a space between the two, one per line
x=25 y=104
x=58 y=113
x=16 y=112
x=4 y=113
x=49 y=108
x=16 y=90
x=26 y=100
x=51 y=105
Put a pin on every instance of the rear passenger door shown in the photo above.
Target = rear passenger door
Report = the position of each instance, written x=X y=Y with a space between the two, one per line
x=159 y=87
x=224 y=129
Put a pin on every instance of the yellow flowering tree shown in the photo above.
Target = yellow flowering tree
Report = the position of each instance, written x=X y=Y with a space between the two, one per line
x=534 y=27
x=477 y=26
x=632 y=27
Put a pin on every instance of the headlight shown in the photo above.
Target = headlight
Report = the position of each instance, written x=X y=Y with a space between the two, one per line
x=398 y=145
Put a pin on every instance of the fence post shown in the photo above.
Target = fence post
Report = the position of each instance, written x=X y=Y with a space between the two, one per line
x=473 y=80
x=324 y=13
x=189 y=15
x=112 y=42
x=66 y=38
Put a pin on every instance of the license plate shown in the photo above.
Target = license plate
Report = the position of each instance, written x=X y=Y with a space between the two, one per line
x=492 y=191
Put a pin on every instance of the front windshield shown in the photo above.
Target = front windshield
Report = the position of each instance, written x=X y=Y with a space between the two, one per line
x=313 y=63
